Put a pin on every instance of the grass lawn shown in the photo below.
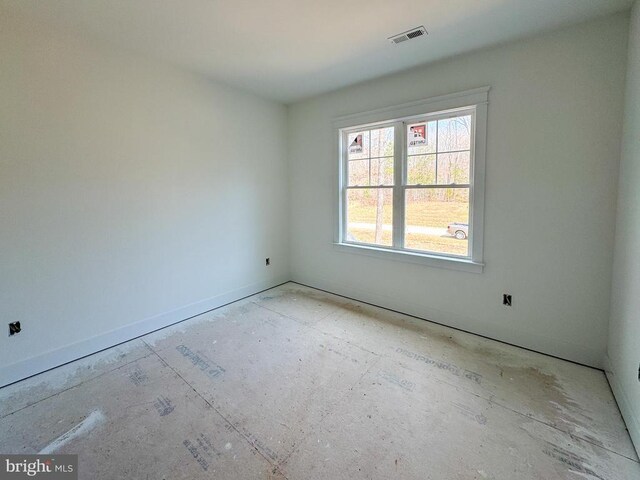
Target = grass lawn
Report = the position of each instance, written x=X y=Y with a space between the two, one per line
x=416 y=241
x=424 y=214
x=433 y=243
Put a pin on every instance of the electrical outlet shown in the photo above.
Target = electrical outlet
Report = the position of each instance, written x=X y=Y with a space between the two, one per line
x=267 y=261
x=507 y=300
x=14 y=328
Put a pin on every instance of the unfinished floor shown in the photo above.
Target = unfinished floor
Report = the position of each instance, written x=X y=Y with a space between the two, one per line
x=300 y=384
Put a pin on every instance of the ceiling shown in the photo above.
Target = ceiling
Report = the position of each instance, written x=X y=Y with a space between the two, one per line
x=291 y=49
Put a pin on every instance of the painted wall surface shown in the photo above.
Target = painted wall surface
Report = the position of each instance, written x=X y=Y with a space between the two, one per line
x=623 y=366
x=554 y=129
x=132 y=195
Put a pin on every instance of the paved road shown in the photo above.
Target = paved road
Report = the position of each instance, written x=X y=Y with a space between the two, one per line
x=409 y=228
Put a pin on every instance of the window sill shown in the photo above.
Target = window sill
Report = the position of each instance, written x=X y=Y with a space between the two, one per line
x=451 y=263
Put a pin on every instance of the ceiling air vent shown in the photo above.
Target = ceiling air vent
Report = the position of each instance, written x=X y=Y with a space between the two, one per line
x=409 y=35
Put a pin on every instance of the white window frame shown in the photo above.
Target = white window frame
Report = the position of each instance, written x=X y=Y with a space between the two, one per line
x=475 y=100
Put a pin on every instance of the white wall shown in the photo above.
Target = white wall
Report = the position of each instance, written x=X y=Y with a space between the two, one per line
x=554 y=131
x=624 y=328
x=132 y=195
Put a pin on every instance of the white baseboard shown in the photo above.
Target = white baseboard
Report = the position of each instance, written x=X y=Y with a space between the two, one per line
x=630 y=418
x=54 y=358
x=582 y=354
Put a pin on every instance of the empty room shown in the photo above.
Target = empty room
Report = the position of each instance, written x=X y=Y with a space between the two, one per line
x=320 y=240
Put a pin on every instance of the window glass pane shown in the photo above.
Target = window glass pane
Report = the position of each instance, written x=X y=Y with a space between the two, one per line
x=358 y=172
x=421 y=170
x=421 y=138
x=358 y=145
x=382 y=171
x=369 y=216
x=382 y=142
x=453 y=168
x=454 y=134
x=437 y=220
